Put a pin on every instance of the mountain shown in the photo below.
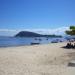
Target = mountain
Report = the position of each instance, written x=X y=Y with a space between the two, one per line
x=32 y=34
x=27 y=34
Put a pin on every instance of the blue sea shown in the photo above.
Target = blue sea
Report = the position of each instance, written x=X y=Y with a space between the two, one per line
x=17 y=41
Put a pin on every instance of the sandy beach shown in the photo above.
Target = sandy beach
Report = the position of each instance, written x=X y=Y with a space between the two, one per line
x=48 y=59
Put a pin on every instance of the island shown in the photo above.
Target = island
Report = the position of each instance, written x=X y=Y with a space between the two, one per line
x=33 y=34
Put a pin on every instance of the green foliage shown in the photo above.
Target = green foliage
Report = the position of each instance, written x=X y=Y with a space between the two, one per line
x=72 y=27
x=71 y=31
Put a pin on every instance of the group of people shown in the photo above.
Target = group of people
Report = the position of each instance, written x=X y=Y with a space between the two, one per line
x=71 y=44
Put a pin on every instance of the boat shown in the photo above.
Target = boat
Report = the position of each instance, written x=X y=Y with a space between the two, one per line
x=54 y=41
x=36 y=39
x=33 y=43
x=40 y=39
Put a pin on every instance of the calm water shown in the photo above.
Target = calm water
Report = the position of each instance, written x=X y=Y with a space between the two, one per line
x=13 y=41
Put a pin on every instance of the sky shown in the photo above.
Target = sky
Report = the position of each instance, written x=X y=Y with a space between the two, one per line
x=44 y=16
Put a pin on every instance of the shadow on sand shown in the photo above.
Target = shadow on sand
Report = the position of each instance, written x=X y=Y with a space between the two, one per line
x=67 y=47
x=71 y=64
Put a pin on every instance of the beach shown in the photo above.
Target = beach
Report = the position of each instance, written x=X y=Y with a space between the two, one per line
x=47 y=59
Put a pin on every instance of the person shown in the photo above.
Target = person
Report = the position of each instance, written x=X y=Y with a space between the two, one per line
x=68 y=45
x=74 y=45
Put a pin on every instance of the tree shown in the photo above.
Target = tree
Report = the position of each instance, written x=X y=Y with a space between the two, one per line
x=71 y=31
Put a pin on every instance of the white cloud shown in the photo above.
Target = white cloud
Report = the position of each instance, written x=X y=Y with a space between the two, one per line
x=50 y=31
x=12 y=32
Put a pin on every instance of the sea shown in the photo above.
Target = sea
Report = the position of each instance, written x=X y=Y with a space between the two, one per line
x=25 y=41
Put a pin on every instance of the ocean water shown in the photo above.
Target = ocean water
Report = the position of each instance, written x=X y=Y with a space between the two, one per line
x=17 y=41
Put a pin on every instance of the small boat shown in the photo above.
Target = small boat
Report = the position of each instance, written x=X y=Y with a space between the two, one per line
x=47 y=39
x=54 y=41
x=40 y=39
x=36 y=39
x=34 y=43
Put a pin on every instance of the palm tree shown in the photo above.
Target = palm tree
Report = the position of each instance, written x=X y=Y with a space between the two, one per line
x=71 y=31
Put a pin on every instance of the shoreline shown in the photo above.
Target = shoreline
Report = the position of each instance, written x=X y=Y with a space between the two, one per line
x=30 y=45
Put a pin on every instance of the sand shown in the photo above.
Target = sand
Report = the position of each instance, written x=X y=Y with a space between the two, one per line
x=49 y=59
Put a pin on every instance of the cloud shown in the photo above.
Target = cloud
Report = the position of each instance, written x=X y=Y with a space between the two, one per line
x=58 y=31
x=11 y=32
